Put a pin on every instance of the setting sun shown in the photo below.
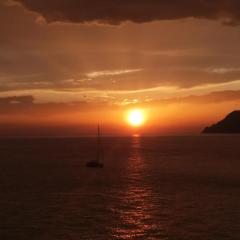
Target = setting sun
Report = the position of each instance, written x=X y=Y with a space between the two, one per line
x=136 y=118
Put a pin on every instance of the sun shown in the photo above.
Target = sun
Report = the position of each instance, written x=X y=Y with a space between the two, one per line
x=136 y=118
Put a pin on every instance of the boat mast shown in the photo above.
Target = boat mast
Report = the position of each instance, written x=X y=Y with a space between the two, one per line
x=99 y=145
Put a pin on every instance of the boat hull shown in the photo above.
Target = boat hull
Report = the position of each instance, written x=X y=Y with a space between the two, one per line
x=94 y=164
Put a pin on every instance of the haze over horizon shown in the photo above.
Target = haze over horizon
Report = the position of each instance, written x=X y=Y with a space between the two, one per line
x=68 y=65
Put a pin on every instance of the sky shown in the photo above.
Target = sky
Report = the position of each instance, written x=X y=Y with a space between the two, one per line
x=67 y=65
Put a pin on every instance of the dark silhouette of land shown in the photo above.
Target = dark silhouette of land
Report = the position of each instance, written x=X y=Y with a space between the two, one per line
x=230 y=124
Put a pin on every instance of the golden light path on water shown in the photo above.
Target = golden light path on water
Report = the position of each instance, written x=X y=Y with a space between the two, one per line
x=136 y=214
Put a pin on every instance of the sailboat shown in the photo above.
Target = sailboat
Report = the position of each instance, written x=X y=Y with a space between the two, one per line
x=97 y=163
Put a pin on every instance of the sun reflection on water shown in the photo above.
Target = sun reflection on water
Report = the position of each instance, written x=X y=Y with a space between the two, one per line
x=137 y=201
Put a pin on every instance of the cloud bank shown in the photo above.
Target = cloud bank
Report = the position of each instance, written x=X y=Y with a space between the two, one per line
x=138 y=11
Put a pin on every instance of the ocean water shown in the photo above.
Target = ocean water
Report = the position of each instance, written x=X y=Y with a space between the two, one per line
x=167 y=188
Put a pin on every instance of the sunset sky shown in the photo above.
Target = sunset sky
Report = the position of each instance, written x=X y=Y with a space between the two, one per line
x=67 y=65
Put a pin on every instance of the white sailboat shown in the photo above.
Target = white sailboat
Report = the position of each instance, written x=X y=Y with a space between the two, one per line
x=98 y=162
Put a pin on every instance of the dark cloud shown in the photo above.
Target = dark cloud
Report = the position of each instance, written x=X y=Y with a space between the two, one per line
x=18 y=105
x=16 y=100
x=117 y=11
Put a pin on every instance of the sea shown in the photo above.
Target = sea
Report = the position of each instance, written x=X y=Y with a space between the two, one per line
x=166 y=188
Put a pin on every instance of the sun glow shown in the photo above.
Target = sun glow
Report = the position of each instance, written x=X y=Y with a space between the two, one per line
x=136 y=118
